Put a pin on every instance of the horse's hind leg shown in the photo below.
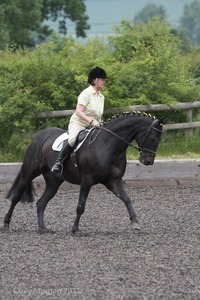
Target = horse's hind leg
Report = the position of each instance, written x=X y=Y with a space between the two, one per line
x=18 y=189
x=8 y=216
x=117 y=187
x=52 y=185
x=22 y=188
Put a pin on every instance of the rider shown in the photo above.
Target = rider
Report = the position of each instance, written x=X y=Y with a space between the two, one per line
x=89 y=111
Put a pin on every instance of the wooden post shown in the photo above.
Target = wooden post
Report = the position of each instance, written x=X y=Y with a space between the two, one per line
x=189 y=119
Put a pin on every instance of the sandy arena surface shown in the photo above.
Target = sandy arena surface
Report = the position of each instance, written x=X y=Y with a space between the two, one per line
x=107 y=260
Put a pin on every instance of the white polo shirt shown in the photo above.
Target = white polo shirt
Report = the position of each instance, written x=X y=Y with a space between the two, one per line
x=94 y=105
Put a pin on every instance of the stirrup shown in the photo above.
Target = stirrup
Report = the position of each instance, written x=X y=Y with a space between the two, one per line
x=57 y=169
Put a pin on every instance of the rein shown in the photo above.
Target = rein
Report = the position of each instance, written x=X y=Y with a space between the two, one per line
x=119 y=137
x=140 y=148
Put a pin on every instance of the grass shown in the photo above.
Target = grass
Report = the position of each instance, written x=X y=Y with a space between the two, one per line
x=175 y=145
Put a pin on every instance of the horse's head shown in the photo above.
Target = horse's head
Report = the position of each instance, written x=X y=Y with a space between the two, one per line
x=148 y=141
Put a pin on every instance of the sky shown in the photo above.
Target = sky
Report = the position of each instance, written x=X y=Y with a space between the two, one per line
x=103 y=14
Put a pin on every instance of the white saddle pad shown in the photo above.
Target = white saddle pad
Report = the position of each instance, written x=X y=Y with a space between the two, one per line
x=58 y=143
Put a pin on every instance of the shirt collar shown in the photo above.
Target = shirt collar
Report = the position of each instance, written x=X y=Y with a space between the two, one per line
x=93 y=90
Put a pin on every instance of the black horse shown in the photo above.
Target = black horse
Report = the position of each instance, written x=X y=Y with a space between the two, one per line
x=100 y=159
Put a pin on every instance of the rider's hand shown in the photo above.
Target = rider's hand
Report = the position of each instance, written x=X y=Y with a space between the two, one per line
x=95 y=123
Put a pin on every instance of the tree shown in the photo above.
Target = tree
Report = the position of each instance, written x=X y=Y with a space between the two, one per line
x=22 y=21
x=62 y=10
x=190 y=21
x=149 y=11
x=185 y=44
x=150 y=68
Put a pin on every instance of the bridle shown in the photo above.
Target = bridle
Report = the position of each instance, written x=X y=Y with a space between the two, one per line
x=145 y=135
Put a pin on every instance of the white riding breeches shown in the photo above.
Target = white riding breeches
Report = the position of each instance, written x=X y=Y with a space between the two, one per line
x=73 y=131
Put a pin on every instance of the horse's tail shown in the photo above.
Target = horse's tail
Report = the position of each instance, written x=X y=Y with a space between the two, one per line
x=28 y=193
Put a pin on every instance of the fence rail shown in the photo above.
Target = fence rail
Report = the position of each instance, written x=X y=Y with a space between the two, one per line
x=189 y=106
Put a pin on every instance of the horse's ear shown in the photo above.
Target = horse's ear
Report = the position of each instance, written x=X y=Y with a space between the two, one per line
x=162 y=121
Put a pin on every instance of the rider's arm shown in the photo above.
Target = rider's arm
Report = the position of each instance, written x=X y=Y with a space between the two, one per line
x=80 y=112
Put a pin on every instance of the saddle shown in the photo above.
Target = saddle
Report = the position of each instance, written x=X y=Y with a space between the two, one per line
x=61 y=139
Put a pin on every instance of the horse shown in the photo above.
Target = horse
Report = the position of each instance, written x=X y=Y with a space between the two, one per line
x=101 y=159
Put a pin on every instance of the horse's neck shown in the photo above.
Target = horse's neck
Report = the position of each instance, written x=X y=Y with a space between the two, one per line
x=126 y=127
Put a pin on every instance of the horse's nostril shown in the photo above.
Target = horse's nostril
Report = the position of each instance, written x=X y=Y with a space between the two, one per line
x=148 y=163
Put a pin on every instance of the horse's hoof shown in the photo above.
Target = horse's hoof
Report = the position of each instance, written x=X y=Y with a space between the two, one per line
x=75 y=231
x=45 y=230
x=77 y=234
x=135 y=226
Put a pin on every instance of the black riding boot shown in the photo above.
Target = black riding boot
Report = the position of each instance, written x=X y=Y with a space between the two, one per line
x=64 y=153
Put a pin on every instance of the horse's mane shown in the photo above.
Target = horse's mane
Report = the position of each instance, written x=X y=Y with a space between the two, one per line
x=127 y=113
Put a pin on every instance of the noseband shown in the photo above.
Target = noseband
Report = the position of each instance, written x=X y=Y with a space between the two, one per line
x=146 y=134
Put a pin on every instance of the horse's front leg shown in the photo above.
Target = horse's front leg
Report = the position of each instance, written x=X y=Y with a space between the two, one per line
x=117 y=187
x=84 y=191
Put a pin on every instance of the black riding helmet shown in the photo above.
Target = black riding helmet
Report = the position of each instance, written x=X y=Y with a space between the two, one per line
x=96 y=73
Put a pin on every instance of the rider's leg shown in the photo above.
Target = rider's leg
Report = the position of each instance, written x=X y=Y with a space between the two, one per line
x=63 y=154
x=73 y=130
